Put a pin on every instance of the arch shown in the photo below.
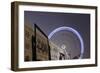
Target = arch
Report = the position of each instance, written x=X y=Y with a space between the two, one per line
x=71 y=30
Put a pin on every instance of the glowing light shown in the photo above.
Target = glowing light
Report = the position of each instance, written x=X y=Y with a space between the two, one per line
x=73 y=31
x=63 y=46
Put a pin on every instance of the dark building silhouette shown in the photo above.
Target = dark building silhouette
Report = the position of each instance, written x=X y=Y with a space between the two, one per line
x=39 y=48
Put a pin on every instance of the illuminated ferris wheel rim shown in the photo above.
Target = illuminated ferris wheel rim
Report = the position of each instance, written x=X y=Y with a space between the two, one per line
x=71 y=30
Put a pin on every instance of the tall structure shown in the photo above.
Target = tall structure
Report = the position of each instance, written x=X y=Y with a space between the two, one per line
x=54 y=51
x=39 y=48
x=42 y=45
x=58 y=53
x=28 y=37
x=64 y=52
x=36 y=44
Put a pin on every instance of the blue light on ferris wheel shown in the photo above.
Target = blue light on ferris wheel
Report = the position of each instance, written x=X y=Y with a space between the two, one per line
x=73 y=31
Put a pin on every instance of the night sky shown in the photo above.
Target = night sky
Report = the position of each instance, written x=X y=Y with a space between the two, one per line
x=48 y=21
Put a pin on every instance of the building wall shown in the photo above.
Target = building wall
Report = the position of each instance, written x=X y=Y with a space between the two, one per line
x=54 y=51
x=28 y=33
x=42 y=46
x=58 y=53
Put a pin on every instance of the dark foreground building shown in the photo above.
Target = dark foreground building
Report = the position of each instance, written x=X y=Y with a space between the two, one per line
x=39 y=48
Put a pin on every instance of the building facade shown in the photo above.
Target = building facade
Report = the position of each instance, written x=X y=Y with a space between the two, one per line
x=28 y=43
x=58 y=53
x=37 y=47
x=42 y=45
x=54 y=51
